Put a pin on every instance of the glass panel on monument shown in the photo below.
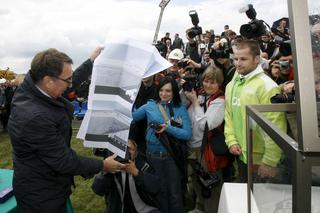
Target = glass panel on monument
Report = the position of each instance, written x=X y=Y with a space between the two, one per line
x=315 y=190
x=271 y=174
x=314 y=21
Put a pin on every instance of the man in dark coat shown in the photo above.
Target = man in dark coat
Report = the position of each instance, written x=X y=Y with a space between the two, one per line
x=40 y=131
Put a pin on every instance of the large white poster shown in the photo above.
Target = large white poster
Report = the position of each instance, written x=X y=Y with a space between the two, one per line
x=116 y=77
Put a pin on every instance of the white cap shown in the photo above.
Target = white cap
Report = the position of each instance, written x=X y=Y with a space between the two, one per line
x=176 y=54
x=2 y=80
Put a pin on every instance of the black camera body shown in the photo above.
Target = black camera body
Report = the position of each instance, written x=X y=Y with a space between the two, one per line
x=222 y=52
x=195 y=30
x=154 y=125
x=183 y=63
x=284 y=65
x=191 y=83
x=283 y=98
x=206 y=179
x=255 y=28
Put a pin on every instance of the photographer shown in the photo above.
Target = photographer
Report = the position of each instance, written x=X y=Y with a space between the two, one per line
x=287 y=95
x=192 y=33
x=267 y=45
x=178 y=127
x=192 y=49
x=207 y=115
x=174 y=57
x=279 y=71
x=132 y=190
x=221 y=56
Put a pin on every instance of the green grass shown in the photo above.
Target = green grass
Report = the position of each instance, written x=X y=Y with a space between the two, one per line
x=83 y=198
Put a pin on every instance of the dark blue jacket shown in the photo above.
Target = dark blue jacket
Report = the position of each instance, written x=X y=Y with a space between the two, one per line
x=43 y=162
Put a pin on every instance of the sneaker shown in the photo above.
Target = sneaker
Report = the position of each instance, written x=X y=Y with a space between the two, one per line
x=195 y=211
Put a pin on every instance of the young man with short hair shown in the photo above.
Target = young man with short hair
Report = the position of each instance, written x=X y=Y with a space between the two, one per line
x=251 y=86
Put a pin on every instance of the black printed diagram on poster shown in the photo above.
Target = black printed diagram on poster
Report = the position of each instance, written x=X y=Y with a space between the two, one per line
x=116 y=76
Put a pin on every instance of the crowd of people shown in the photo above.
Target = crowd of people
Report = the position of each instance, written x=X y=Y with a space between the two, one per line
x=7 y=89
x=188 y=122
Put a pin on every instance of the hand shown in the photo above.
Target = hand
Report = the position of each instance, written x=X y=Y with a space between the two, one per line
x=95 y=53
x=132 y=149
x=131 y=168
x=266 y=171
x=192 y=96
x=193 y=64
x=235 y=149
x=288 y=88
x=163 y=128
x=316 y=29
x=111 y=165
x=191 y=40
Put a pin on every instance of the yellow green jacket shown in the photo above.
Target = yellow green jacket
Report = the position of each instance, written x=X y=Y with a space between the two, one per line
x=255 y=88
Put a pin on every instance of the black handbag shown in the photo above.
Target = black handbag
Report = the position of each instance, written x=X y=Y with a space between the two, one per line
x=178 y=149
x=218 y=142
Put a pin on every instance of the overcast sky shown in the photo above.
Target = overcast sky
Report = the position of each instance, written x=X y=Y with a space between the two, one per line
x=76 y=27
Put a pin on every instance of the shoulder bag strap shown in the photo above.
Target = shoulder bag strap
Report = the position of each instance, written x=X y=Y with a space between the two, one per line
x=164 y=114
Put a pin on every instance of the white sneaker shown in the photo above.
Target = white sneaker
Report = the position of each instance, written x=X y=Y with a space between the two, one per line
x=195 y=211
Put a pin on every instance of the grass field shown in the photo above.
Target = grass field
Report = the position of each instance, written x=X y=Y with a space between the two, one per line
x=83 y=199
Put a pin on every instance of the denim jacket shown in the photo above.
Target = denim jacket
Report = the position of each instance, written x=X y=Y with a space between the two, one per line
x=153 y=114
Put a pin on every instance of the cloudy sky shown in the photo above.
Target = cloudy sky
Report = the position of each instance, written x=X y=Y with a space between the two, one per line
x=76 y=27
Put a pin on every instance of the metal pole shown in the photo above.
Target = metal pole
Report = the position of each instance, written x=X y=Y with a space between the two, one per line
x=158 y=27
x=162 y=5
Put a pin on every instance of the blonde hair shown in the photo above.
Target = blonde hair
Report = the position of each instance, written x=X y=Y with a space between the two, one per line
x=213 y=73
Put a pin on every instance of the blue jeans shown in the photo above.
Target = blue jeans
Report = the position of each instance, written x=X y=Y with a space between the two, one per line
x=170 y=196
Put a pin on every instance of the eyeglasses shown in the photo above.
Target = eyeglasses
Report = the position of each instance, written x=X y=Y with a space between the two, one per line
x=68 y=80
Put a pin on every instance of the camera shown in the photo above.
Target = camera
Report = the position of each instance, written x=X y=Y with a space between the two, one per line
x=206 y=179
x=255 y=28
x=284 y=65
x=183 y=63
x=221 y=53
x=195 y=30
x=191 y=83
x=154 y=125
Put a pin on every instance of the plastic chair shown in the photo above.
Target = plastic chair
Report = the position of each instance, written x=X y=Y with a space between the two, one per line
x=84 y=108
x=76 y=108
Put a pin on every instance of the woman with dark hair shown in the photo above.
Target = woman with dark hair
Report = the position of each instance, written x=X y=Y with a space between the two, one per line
x=168 y=102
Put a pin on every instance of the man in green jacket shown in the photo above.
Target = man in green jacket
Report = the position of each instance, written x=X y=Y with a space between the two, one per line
x=251 y=86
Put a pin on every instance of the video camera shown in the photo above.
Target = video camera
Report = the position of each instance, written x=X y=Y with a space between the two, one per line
x=191 y=83
x=255 y=28
x=195 y=30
